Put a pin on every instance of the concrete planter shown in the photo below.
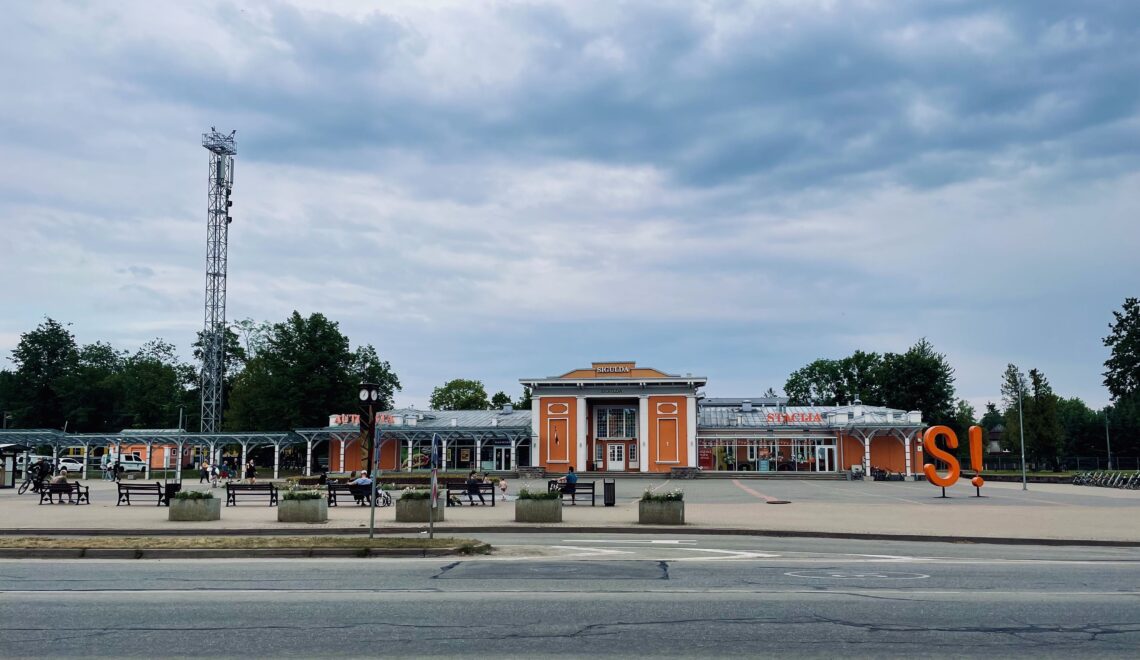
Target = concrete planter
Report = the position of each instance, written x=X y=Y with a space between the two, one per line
x=661 y=513
x=195 y=510
x=303 y=511
x=417 y=511
x=538 y=511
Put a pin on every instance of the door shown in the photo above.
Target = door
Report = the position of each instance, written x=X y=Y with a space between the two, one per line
x=615 y=459
x=825 y=458
x=502 y=458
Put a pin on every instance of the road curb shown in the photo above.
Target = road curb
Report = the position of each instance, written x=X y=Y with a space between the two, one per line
x=582 y=529
x=225 y=553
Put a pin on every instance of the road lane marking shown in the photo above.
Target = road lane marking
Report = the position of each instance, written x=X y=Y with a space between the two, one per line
x=754 y=493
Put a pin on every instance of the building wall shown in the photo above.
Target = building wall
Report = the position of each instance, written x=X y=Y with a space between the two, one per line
x=668 y=433
x=558 y=433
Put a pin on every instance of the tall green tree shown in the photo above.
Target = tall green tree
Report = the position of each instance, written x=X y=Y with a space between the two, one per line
x=992 y=417
x=964 y=417
x=93 y=391
x=1122 y=368
x=524 y=401
x=1013 y=399
x=1044 y=436
x=500 y=399
x=304 y=371
x=156 y=385
x=460 y=394
x=43 y=358
x=919 y=379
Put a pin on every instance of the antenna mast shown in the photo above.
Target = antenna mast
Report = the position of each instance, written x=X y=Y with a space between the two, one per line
x=220 y=185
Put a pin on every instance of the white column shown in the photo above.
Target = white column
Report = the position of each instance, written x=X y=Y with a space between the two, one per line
x=409 y=455
x=580 y=444
x=443 y=455
x=309 y=457
x=83 y=471
x=178 y=463
x=241 y=468
x=867 y=453
x=514 y=455
x=478 y=454
x=643 y=433
x=535 y=431
x=691 y=428
x=276 y=458
x=147 y=475
x=342 y=443
x=906 y=445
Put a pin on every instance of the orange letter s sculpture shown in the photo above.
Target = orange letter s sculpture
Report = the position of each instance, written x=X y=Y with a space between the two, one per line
x=934 y=451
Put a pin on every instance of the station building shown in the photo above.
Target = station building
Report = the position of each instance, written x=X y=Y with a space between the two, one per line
x=620 y=417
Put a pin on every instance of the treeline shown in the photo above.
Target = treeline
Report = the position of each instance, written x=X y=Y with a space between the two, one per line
x=1055 y=426
x=279 y=376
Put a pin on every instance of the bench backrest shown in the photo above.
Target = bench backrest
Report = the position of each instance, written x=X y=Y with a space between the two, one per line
x=250 y=487
x=139 y=487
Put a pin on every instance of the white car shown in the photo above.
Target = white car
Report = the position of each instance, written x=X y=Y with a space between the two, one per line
x=130 y=464
x=71 y=464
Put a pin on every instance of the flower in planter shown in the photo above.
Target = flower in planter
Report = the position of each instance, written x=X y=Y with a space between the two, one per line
x=527 y=494
x=675 y=495
x=303 y=495
x=194 y=495
x=415 y=494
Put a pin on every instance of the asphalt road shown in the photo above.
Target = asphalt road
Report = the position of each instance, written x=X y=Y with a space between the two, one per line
x=590 y=596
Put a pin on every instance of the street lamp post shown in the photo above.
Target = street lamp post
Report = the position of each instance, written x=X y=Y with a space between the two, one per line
x=1021 y=430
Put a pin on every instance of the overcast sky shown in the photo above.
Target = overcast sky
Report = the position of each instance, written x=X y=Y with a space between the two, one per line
x=500 y=190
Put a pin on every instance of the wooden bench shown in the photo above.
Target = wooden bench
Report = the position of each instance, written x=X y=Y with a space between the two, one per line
x=461 y=490
x=580 y=489
x=76 y=494
x=362 y=495
x=155 y=489
x=250 y=490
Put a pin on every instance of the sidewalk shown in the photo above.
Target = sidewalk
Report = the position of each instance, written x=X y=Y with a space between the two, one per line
x=855 y=509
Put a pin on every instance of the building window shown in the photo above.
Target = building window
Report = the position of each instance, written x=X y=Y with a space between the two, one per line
x=599 y=449
x=753 y=451
x=615 y=422
x=633 y=453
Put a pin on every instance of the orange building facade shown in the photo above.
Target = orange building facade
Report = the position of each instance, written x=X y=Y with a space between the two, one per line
x=614 y=417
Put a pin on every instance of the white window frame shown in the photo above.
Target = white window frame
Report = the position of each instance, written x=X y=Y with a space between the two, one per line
x=629 y=422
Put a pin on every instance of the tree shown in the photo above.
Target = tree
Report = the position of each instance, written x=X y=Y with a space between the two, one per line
x=992 y=418
x=44 y=357
x=1043 y=433
x=817 y=383
x=1122 y=375
x=836 y=382
x=93 y=391
x=304 y=371
x=1013 y=387
x=460 y=394
x=770 y=393
x=524 y=401
x=920 y=379
x=372 y=369
x=964 y=418
x=155 y=386
x=500 y=399
x=1083 y=428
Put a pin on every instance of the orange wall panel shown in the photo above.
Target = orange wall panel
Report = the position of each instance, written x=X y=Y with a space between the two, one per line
x=558 y=432
x=668 y=437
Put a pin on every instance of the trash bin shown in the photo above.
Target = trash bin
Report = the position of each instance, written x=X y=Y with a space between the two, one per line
x=609 y=492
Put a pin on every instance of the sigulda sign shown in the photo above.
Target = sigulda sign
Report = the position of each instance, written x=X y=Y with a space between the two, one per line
x=954 y=470
x=612 y=369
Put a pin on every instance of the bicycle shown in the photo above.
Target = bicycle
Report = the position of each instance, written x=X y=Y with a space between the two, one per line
x=32 y=482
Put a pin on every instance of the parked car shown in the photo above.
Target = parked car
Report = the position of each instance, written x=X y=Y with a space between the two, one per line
x=71 y=464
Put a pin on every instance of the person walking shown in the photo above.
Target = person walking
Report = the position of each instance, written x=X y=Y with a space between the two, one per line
x=473 y=488
x=118 y=471
x=251 y=472
x=204 y=471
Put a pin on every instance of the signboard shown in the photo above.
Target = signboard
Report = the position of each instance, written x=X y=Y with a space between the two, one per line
x=954 y=469
x=795 y=418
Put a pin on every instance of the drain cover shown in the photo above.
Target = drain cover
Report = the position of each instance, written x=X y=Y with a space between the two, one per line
x=778 y=502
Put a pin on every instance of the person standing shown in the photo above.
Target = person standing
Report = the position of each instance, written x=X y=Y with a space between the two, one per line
x=118 y=471
x=204 y=471
x=473 y=488
x=251 y=472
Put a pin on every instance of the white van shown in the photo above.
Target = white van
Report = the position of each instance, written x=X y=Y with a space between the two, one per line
x=129 y=463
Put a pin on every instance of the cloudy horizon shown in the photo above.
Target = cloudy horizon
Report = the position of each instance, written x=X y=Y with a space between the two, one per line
x=500 y=190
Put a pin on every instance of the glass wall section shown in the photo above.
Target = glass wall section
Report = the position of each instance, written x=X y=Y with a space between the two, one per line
x=767 y=454
x=615 y=422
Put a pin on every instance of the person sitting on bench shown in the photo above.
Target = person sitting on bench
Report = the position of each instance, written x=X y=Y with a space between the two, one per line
x=570 y=484
x=473 y=483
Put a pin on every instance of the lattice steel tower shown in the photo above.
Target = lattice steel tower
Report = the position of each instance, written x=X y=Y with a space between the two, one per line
x=221 y=184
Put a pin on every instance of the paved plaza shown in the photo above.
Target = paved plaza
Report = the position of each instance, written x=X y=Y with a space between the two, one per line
x=1046 y=511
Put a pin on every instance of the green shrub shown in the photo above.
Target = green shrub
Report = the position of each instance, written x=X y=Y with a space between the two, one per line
x=675 y=495
x=303 y=495
x=411 y=494
x=193 y=495
x=525 y=494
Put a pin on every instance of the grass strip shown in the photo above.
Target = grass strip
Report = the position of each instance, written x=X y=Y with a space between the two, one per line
x=464 y=546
